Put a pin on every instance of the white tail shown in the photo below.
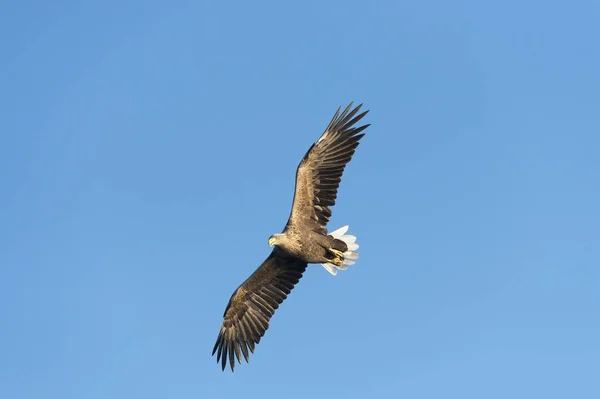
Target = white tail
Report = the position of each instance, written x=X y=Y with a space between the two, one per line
x=349 y=256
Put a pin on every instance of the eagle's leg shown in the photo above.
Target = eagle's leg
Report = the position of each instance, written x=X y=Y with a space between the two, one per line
x=338 y=259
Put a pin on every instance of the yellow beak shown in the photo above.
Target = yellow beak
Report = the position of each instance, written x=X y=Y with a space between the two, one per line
x=271 y=241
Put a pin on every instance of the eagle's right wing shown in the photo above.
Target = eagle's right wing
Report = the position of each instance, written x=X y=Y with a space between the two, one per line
x=247 y=316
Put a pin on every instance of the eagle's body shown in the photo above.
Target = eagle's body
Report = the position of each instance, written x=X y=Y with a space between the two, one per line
x=309 y=246
x=304 y=240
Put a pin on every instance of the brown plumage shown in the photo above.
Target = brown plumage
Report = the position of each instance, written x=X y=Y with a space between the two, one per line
x=304 y=240
x=319 y=174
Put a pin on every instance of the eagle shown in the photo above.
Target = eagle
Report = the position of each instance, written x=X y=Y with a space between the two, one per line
x=304 y=240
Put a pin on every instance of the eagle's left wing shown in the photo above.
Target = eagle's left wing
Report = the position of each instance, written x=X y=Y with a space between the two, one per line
x=319 y=173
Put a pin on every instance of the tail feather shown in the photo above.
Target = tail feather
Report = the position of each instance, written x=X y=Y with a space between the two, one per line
x=349 y=256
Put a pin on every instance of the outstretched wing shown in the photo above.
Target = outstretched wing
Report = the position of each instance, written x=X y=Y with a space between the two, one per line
x=319 y=174
x=247 y=316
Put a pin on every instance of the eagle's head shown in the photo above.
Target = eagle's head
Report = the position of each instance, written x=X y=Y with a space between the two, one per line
x=275 y=239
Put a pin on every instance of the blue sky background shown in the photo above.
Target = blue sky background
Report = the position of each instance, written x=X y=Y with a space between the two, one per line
x=148 y=150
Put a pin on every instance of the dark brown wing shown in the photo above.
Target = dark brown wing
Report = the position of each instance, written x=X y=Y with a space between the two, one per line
x=319 y=174
x=247 y=316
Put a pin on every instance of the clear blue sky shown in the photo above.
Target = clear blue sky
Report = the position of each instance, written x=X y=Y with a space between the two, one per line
x=148 y=150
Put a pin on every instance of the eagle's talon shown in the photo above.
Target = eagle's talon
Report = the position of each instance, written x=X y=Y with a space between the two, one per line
x=338 y=258
x=338 y=254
